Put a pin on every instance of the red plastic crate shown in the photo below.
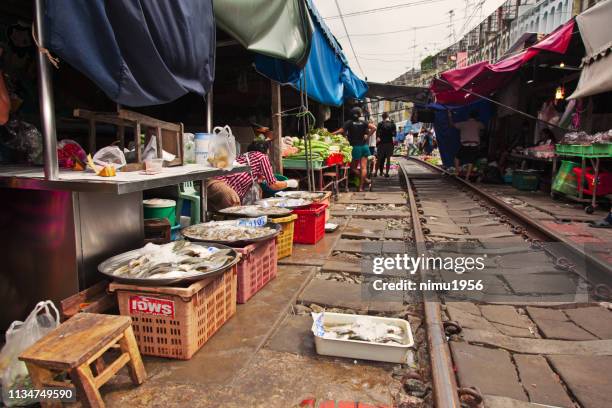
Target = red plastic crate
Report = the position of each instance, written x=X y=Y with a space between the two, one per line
x=257 y=267
x=310 y=224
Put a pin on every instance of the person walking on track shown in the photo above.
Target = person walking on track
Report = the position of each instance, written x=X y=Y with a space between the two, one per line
x=469 y=136
x=385 y=132
x=358 y=132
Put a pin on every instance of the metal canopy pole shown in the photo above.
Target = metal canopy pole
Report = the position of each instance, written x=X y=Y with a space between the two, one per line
x=209 y=111
x=45 y=95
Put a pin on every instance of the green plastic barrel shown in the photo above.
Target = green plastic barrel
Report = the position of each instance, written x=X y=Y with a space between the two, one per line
x=160 y=208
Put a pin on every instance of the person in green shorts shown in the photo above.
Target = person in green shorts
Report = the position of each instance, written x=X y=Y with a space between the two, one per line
x=358 y=132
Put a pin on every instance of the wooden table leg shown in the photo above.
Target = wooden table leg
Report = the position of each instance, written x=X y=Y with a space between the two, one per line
x=40 y=376
x=128 y=345
x=83 y=379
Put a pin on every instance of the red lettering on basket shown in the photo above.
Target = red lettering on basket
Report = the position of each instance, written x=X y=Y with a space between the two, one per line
x=149 y=305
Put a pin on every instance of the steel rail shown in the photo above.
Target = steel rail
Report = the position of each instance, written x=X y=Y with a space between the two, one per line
x=535 y=228
x=443 y=376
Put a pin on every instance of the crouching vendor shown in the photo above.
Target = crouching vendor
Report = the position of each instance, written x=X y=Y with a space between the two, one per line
x=229 y=191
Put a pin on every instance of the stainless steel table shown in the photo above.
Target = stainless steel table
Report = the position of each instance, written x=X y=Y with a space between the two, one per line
x=53 y=234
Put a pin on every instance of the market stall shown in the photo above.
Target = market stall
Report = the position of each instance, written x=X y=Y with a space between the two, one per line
x=588 y=179
x=326 y=154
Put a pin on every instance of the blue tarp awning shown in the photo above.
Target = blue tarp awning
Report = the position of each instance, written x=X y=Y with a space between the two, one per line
x=327 y=75
x=447 y=137
x=138 y=52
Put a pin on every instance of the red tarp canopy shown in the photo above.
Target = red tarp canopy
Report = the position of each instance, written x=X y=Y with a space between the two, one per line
x=485 y=78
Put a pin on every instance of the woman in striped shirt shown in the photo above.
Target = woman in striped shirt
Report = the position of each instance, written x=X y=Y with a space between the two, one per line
x=229 y=191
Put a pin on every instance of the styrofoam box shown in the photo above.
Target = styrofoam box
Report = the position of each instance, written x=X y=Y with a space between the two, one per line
x=364 y=350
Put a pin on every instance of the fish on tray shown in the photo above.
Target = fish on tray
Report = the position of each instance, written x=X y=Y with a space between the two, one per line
x=174 y=260
x=226 y=232
x=255 y=210
x=304 y=195
x=366 y=331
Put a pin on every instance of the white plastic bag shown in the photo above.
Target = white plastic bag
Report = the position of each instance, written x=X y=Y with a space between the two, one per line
x=222 y=148
x=19 y=336
x=110 y=155
x=254 y=194
x=189 y=155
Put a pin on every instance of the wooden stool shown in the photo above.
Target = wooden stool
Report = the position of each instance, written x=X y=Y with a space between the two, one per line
x=77 y=344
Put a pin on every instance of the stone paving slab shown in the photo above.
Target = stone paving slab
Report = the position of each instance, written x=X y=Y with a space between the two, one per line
x=396 y=234
x=475 y=366
x=294 y=336
x=588 y=378
x=376 y=225
x=468 y=320
x=394 y=247
x=333 y=294
x=539 y=346
x=554 y=324
x=596 y=320
x=554 y=283
x=540 y=382
x=495 y=401
x=313 y=255
x=506 y=315
x=371 y=214
x=358 y=246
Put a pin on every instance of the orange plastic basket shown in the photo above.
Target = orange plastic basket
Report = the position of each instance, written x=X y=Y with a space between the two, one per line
x=257 y=267
x=175 y=322
x=284 y=240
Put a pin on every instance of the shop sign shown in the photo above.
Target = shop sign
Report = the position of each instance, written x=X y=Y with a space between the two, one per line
x=152 y=306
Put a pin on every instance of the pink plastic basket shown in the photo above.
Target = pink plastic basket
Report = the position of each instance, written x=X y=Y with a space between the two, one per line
x=257 y=267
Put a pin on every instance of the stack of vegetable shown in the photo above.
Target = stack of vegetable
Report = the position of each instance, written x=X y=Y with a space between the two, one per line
x=322 y=144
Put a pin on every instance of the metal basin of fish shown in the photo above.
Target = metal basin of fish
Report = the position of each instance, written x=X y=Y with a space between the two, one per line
x=204 y=233
x=172 y=274
x=283 y=202
x=255 y=211
x=306 y=195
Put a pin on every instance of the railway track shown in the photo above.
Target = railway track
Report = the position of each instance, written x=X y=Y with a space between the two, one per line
x=538 y=329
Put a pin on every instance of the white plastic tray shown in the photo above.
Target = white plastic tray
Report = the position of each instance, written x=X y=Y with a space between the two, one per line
x=364 y=350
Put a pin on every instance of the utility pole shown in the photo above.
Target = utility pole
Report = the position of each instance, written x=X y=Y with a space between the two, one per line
x=413 y=52
x=451 y=26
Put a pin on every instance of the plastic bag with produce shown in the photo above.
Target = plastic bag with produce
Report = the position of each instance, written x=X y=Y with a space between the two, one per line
x=222 y=148
x=110 y=156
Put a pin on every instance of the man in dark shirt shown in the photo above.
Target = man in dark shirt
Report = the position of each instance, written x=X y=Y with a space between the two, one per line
x=357 y=131
x=385 y=132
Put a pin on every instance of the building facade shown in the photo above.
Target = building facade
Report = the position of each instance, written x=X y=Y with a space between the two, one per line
x=514 y=25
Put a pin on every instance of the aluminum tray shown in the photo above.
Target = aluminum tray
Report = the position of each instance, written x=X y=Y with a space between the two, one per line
x=107 y=267
x=226 y=211
x=277 y=230
x=314 y=196
x=273 y=202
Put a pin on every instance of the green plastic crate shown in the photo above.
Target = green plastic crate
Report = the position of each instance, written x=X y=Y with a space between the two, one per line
x=301 y=164
x=595 y=150
x=603 y=149
x=525 y=180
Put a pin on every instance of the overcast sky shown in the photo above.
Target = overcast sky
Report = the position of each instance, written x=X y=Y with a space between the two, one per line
x=384 y=57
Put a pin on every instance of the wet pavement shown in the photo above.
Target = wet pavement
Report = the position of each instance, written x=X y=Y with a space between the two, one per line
x=264 y=356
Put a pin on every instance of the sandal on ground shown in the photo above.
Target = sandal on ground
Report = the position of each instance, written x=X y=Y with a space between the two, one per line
x=600 y=224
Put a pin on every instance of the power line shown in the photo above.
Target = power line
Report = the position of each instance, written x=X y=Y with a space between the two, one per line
x=382 y=9
x=348 y=37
